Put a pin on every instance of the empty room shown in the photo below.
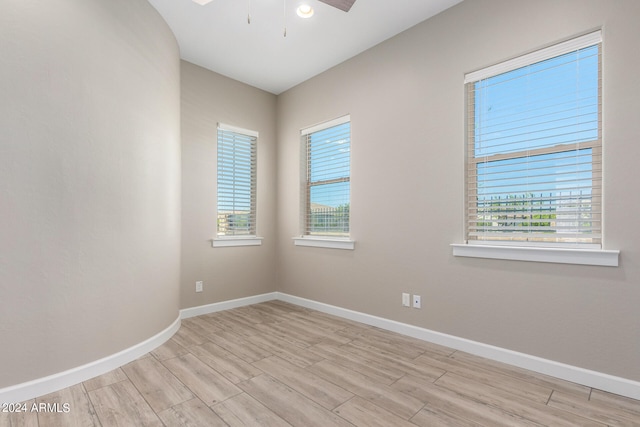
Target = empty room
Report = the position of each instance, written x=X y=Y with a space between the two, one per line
x=320 y=212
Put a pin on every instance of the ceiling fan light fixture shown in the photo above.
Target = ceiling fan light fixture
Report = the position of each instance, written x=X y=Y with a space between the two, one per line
x=304 y=11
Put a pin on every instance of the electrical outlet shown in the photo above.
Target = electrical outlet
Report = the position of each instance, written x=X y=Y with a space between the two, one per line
x=416 y=301
x=406 y=300
x=199 y=286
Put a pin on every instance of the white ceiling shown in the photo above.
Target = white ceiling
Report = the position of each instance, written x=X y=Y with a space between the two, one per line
x=217 y=36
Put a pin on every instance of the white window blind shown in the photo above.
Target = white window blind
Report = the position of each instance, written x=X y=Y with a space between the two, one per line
x=534 y=148
x=237 y=153
x=326 y=169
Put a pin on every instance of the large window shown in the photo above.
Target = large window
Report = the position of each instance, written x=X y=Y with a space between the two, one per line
x=326 y=187
x=236 y=181
x=534 y=148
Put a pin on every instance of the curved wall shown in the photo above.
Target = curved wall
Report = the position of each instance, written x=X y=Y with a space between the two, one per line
x=89 y=182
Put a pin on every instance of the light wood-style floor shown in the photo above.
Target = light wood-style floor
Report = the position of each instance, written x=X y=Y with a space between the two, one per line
x=276 y=364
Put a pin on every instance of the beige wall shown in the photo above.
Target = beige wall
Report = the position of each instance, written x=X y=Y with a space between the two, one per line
x=89 y=182
x=227 y=272
x=405 y=98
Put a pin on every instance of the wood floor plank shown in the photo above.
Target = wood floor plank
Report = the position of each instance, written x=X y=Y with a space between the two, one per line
x=388 y=353
x=391 y=338
x=355 y=331
x=374 y=339
x=312 y=334
x=616 y=402
x=201 y=325
x=319 y=320
x=109 y=378
x=523 y=374
x=169 y=350
x=240 y=346
x=209 y=385
x=273 y=314
x=283 y=306
x=330 y=321
x=23 y=417
x=441 y=418
x=67 y=407
x=187 y=337
x=240 y=318
x=243 y=410
x=228 y=364
x=255 y=315
x=306 y=383
x=491 y=378
x=158 y=386
x=5 y=419
x=360 y=412
x=121 y=404
x=247 y=315
x=383 y=373
x=410 y=347
x=407 y=367
x=506 y=401
x=295 y=355
x=230 y=322
x=281 y=332
x=192 y=413
x=377 y=393
x=594 y=410
x=443 y=402
x=290 y=405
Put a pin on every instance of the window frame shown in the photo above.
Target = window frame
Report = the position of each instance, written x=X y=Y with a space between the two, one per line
x=307 y=237
x=251 y=238
x=591 y=254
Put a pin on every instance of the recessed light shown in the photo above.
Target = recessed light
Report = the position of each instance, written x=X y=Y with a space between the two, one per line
x=202 y=2
x=304 y=11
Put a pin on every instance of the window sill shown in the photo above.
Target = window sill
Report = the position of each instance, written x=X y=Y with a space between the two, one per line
x=322 y=242
x=608 y=258
x=224 y=242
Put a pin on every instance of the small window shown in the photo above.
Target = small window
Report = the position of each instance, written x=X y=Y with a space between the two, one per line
x=326 y=188
x=534 y=148
x=237 y=150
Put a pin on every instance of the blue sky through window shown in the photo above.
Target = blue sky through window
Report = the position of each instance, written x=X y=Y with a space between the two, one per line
x=543 y=105
x=329 y=160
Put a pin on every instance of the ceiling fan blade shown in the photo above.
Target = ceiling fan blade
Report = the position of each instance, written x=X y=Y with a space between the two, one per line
x=344 y=5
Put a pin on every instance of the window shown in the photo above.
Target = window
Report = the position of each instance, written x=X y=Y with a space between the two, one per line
x=236 y=222
x=326 y=176
x=534 y=149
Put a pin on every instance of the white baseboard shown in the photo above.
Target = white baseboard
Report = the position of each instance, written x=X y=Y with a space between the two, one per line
x=599 y=380
x=185 y=313
x=55 y=382
x=589 y=378
x=41 y=386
